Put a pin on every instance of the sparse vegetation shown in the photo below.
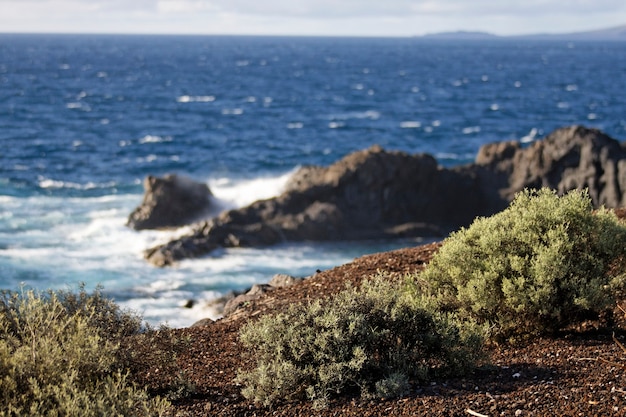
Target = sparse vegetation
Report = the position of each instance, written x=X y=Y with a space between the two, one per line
x=544 y=263
x=374 y=339
x=60 y=356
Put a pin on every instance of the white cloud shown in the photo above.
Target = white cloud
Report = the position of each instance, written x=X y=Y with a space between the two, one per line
x=391 y=8
x=309 y=17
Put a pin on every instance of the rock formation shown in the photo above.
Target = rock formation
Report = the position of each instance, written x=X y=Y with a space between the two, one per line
x=171 y=201
x=374 y=194
x=256 y=291
x=569 y=158
x=369 y=194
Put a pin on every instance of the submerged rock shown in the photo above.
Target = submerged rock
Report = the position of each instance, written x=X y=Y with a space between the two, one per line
x=171 y=201
x=375 y=194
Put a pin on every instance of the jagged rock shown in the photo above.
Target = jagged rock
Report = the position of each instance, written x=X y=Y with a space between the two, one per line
x=569 y=158
x=171 y=201
x=370 y=194
x=373 y=194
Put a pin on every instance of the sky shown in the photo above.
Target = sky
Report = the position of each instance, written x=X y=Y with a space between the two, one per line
x=309 y=17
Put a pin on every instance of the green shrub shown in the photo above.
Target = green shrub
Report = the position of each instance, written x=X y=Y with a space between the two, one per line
x=373 y=339
x=543 y=263
x=58 y=357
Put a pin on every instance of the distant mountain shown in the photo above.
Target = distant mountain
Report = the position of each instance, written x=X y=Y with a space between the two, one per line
x=615 y=33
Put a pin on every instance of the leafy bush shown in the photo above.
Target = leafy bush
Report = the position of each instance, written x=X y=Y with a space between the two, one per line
x=58 y=357
x=374 y=339
x=543 y=263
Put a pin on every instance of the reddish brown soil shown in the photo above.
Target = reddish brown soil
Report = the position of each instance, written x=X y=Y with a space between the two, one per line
x=580 y=373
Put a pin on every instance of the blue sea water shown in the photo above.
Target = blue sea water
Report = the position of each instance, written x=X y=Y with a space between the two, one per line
x=83 y=119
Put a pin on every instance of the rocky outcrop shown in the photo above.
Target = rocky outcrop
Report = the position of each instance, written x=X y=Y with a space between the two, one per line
x=373 y=194
x=256 y=291
x=171 y=201
x=370 y=194
x=569 y=158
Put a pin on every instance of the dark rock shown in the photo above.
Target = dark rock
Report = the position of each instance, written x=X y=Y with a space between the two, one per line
x=284 y=280
x=374 y=194
x=256 y=291
x=371 y=194
x=171 y=201
x=569 y=158
x=203 y=323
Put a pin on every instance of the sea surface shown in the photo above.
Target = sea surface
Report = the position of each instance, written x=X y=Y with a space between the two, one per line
x=83 y=119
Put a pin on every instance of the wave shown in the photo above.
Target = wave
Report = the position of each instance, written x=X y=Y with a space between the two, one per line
x=195 y=99
x=48 y=183
x=531 y=136
x=410 y=124
x=154 y=139
x=368 y=114
x=231 y=193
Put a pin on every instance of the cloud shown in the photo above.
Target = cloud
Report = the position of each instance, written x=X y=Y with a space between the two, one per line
x=314 y=17
x=388 y=8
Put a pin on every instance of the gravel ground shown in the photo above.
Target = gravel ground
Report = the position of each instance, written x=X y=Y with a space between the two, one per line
x=578 y=373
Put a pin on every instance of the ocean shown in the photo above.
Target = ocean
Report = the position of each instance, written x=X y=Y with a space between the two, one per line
x=84 y=119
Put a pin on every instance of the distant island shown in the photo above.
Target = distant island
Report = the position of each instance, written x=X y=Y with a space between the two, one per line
x=611 y=34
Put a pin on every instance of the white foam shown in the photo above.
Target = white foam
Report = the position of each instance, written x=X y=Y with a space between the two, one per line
x=195 y=99
x=368 y=114
x=231 y=193
x=410 y=124
x=470 y=130
x=295 y=125
x=494 y=107
x=154 y=139
x=530 y=136
x=51 y=183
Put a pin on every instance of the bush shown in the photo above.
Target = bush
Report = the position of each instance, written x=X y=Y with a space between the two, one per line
x=374 y=339
x=58 y=357
x=543 y=263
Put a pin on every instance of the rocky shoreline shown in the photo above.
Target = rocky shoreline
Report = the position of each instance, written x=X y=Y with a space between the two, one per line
x=376 y=194
x=579 y=371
